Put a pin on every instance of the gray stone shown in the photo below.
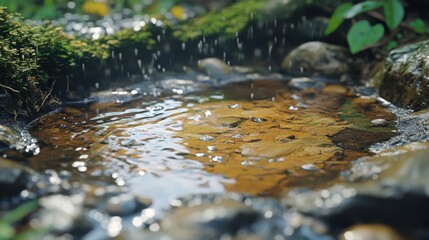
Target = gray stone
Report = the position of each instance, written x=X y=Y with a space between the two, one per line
x=63 y=214
x=314 y=58
x=122 y=204
x=210 y=221
x=411 y=127
x=388 y=188
x=213 y=66
x=406 y=77
x=379 y=122
x=13 y=178
x=302 y=83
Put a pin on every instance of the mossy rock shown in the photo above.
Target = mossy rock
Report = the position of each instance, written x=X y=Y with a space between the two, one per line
x=406 y=77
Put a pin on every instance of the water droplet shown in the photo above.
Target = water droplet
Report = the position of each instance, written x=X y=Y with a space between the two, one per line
x=114 y=227
x=200 y=154
x=237 y=136
x=247 y=163
x=309 y=167
x=211 y=148
x=207 y=113
x=217 y=159
x=234 y=106
x=207 y=138
x=258 y=120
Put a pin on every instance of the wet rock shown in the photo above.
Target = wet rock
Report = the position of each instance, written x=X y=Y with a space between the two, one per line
x=213 y=66
x=13 y=178
x=411 y=127
x=406 y=77
x=63 y=214
x=386 y=188
x=379 y=122
x=314 y=58
x=210 y=221
x=229 y=121
x=122 y=204
x=21 y=141
x=370 y=232
x=302 y=83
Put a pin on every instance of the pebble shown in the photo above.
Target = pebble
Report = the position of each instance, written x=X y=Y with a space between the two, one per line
x=379 y=122
x=122 y=204
x=207 y=138
x=302 y=83
x=370 y=232
x=230 y=122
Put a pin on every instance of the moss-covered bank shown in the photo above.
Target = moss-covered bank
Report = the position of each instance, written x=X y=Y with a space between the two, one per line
x=41 y=64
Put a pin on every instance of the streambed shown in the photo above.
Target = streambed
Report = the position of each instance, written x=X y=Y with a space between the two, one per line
x=256 y=137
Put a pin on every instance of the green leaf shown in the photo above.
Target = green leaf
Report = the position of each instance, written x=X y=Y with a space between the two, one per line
x=394 y=13
x=391 y=45
x=6 y=230
x=362 y=7
x=20 y=212
x=418 y=25
x=362 y=35
x=337 y=17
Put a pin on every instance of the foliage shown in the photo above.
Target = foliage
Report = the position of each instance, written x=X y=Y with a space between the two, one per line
x=362 y=34
x=36 y=59
x=32 y=58
x=226 y=22
x=7 y=221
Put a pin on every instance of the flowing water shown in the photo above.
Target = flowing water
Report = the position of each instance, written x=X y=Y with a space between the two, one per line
x=255 y=137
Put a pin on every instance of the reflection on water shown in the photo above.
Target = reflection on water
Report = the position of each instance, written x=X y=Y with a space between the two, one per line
x=254 y=137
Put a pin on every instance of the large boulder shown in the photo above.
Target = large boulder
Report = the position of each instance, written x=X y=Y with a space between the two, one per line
x=406 y=77
x=386 y=188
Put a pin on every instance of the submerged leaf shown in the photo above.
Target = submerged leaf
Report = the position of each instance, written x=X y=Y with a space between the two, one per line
x=394 y=13
x=337 y=17
x=362 y=35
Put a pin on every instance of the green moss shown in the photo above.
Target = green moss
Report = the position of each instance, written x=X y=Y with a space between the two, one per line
x=227 y=22
x=37 y=61
x=237 y=16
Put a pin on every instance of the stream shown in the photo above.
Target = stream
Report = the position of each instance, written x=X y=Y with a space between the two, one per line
x=139 y=152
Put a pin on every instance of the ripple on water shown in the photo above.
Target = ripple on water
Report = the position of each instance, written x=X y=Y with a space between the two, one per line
x=210 y=142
